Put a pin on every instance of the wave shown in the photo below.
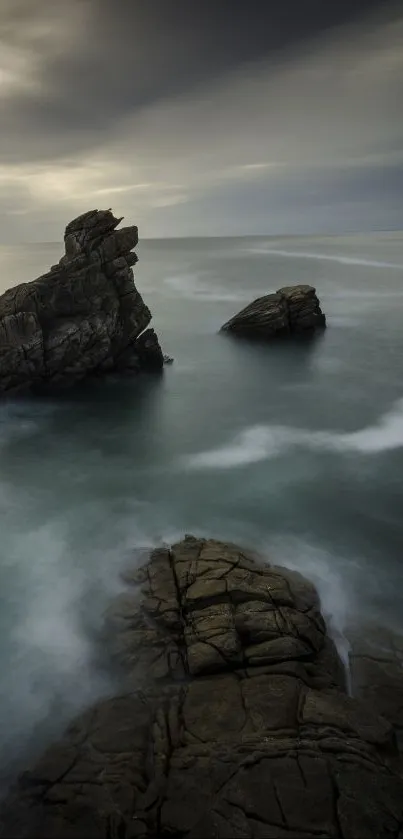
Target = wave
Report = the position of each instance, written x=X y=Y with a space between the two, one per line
x=264 y=442
x=54 y=611
x=339 y=258
x=337 y=579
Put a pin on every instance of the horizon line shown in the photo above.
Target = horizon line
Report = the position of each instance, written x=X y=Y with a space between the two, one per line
x=358 y=232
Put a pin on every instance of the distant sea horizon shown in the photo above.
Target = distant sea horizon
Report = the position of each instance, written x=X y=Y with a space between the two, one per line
x=302 y=235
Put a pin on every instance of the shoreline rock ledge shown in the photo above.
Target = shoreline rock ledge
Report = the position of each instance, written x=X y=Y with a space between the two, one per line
x=84 y=317
x=291 y=311
x=234 y=720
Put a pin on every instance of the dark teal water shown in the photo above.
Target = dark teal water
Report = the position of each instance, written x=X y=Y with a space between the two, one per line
x=296 y=451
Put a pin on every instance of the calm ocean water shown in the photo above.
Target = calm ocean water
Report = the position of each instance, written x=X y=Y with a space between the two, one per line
x=298 y=452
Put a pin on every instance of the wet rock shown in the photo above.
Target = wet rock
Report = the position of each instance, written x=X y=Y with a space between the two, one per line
x=235 y=721
x=84 y=317
x=149 y=351
x=376 y=665
x=291 y=311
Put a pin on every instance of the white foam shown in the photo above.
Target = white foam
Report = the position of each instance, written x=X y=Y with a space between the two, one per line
x=339 y=258
x=385 y=435
x=264 y=442
x=334 y=579
x=47 y=649
x=257 y=443
x=55 y=605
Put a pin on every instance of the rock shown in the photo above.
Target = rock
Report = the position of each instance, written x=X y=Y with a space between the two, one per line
x=149 y=351
x=144 y=354
x=293 y=310
x=84 y=317
x=235 y=721
x=376 y=670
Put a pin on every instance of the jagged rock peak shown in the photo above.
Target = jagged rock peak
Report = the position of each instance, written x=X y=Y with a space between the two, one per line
x=83 y=317
x=85 y=234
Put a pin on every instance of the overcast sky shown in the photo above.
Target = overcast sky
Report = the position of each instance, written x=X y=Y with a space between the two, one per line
x=201 y=117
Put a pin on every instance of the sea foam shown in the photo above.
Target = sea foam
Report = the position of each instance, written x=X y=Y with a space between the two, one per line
x=264 y=442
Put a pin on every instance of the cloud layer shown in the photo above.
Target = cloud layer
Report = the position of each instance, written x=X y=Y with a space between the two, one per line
x=200 y=123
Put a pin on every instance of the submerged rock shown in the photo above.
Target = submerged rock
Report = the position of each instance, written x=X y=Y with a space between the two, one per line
x=84 y=317
x=293 y=310
x=235 y=720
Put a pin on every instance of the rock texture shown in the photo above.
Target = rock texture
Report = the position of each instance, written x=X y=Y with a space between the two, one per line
x=293 y=310
x=376 y=665
x=236 y=722
x=84 y=317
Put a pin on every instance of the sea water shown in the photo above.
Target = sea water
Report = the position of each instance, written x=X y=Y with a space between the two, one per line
x=294 y=450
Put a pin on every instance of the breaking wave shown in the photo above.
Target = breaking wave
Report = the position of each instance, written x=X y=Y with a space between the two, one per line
x=263 y=442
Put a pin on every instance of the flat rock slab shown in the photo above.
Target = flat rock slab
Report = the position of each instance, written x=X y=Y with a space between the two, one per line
x=235 y=721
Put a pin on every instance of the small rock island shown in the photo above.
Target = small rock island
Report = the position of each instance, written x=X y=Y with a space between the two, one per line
x=234 y=720
x=291 y=311
x=85 y=317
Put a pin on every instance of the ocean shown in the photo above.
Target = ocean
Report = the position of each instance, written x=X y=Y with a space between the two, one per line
x=294 y=450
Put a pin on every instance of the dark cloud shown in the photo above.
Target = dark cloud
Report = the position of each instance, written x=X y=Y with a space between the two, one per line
x=108 y=59
x=166 y=47
x=200 y=116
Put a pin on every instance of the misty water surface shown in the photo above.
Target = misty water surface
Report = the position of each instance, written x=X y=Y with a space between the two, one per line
x=295 y=451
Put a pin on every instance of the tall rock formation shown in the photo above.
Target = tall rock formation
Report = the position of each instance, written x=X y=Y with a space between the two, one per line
x=84 y=317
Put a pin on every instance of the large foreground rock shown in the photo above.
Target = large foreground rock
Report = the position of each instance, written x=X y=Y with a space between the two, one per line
x=235 y=721
x=82 y=318
x=294 y=310
x=376 y=667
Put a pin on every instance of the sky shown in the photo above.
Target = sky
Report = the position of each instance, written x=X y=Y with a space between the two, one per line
x=201 y=117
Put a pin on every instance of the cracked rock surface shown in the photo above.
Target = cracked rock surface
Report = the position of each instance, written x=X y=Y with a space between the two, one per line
x=293 y=310
x=84 y=317
x=235 y=721
x=376 y=664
